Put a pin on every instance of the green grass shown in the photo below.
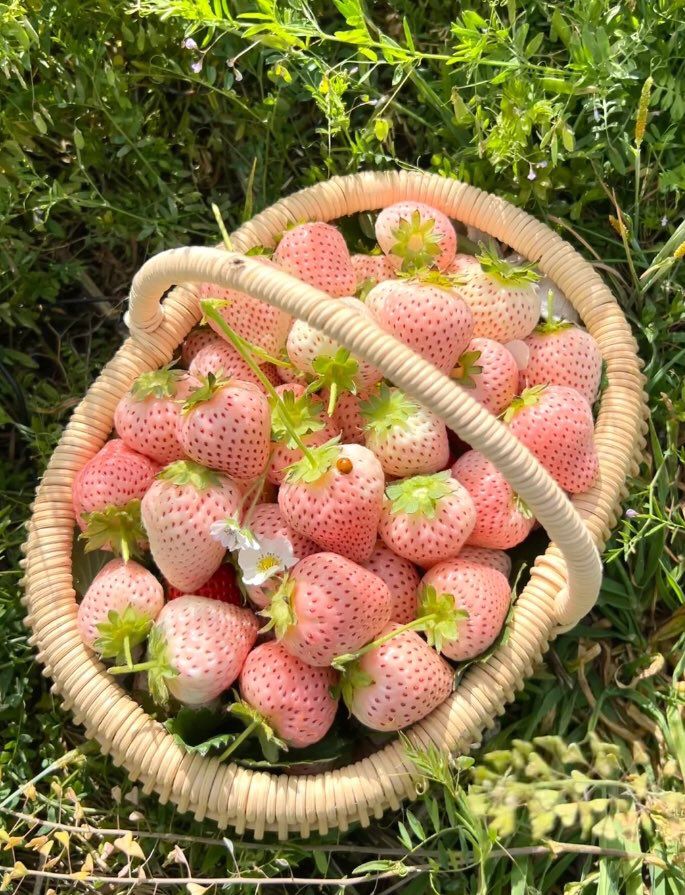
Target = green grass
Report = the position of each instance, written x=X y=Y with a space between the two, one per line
x=112 y=147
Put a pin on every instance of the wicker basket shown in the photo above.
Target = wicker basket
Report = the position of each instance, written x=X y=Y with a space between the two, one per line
x=564 y=581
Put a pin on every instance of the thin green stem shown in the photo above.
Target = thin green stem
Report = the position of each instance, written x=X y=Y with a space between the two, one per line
x=239 y=739
x=131 y=669
x=222 y=228
x=127 y=650
x=332 y=398
x=416 y=625
x=211 y=313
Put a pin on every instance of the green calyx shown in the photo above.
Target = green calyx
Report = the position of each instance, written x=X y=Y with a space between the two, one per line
x=352 y=678
x=425 y=277
x=386 y=410
x=255 y=725
x=504 y=271
x=420 y=495
x=121 y=632
x=313 y=467
x=157 y=665
x=187 y=472
x=467 y=369
x=336 y=372
x=522 y=507
x=416 y=242
x=303 y=414
x=529 y=397
x=116 y=528
x=211 y=384
x=363 y=289
x=279 y=613
x=160 y=383
x=440 y=616
x=550 y=325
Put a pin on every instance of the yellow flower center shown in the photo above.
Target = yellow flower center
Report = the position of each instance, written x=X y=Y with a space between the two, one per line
x=267 y=562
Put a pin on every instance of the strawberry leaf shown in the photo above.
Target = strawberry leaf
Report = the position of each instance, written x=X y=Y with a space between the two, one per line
x=420 y=494
x=386 y=410
x=118 y=529
x=186 y=472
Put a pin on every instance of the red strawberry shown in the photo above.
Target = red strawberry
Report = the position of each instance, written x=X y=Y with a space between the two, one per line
x=118 y=608
x=197 y=338
x=482 y=556
x=106 y=496
x=318 y=255
x=426 y=314
x=398 y=683
x=314 y=353
x=502 y=520
x=222 y=360
x=401 y=578
x=415 y=235
x=406 y=438
x=482 y=592
x=490 y=372
x=307 y=415
x=503 y=298
x=328 y=606
x=226 y=424
x=221 y=586
x=177 y=513
x=347 y=416
x=255 y=321
x=336 y=501
x=563 y=354
x=267 y=521
x=197 y=648
x=146 y=417
x=372 y=267
x=293 y=698
x=555 y=424
x=427 y=518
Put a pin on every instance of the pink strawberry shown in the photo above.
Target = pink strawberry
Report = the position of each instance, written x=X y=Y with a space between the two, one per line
x=221 y=359
x=293 y=698
x=307 y=415
x=198 y=337
x=372 y=267
x=426 y=314
x=482 y=592
x=502 y=520
x=267 y=521
x=398 y=683
x=177 y=513
x=316 y=253
x=406 y=438
x=555 y=424
x=118 y=608
x=106 y=496
x=328 y=606
x=196 y=649
x=490 y=372
x=253 y=320
x=415 y=235
x=427 y=518
x=335 y=499
x=221 y=586
x=401 y=578
x=502 y=297
x=225 y=424
x=314 y=353
x=482 y=556
x=459 y=263
x=347 y=417
x=563 y=354
x=146 y=417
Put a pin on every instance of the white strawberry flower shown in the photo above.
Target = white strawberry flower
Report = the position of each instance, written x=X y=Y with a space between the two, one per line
x=272 y=556
x=231 y=535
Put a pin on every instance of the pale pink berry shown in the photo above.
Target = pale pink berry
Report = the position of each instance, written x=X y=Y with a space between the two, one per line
x=489 y=372
x=317 y=254
x=563 y=354
x=402 y=580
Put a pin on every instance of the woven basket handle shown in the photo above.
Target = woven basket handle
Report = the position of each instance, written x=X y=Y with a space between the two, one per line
x=410 y=372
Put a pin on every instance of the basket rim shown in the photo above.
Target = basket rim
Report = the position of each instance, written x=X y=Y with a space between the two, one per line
x=265 y=802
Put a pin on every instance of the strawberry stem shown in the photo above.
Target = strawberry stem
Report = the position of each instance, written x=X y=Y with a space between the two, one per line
x=419 y=624
x=130 y=668
x=239 y=344
x=249 y=730
x=225 y=238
